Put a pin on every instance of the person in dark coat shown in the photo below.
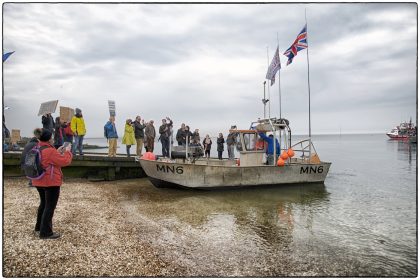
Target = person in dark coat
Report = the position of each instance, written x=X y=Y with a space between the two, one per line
x=207 y=146
x=188 y=134
x=139 y=127
x=48 y=122
x=58 y=133
x=181 y=136
x=165 y=133
x=220 y=146
x=231 y=141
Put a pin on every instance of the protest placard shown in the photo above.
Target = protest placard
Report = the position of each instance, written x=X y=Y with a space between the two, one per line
x=15 y=136
x=48 y=107
x=66 y=114
x=111 y=106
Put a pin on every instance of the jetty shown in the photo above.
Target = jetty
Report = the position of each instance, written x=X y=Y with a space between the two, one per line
x=93 y=166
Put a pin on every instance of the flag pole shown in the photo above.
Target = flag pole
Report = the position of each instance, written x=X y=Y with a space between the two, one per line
x=268 y=89
x=278 y=44
x=309 y=87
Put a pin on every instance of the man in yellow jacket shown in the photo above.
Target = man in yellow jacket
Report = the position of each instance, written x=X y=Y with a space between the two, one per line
x=79 y=131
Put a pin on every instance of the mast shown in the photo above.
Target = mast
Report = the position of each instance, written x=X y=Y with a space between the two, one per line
x=278 y=44
x=309 y=87
x=268 y=88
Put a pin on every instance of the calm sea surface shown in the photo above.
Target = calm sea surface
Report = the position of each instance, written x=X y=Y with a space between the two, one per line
x=361 y=222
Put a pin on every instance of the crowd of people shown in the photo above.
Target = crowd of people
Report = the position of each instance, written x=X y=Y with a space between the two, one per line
x=140 y=133
x=143 y=134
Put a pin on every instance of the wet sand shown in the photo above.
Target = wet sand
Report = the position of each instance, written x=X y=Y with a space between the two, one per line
x=97 y=239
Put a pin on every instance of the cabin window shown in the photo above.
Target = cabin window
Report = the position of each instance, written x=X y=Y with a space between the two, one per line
x=250 y=140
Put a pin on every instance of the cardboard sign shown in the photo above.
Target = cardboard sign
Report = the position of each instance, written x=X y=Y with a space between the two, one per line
x=111 y=106
x=15 y=135
x=48 y=107
x=66 y=114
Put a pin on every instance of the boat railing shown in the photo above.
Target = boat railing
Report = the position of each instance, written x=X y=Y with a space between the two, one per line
x=305 y=152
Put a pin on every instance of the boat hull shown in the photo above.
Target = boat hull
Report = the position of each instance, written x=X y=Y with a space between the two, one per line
x=200 y=176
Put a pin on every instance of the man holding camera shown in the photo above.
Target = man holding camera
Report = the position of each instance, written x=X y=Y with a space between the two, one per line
x=165 y=133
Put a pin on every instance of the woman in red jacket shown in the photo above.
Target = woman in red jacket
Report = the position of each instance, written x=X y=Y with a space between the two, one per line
x=48 y=186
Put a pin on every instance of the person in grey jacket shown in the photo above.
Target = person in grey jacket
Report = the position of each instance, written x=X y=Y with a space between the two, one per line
x=139 y=127
x=150 y=134
x=231 y=141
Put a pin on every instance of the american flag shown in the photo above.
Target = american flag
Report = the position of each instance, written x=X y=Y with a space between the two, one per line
x=299 y=44
x=274 y=67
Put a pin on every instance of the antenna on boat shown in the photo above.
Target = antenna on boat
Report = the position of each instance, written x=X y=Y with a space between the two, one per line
x=264 y=101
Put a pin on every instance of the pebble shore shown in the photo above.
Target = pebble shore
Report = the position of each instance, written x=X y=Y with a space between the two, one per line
x=96 y=240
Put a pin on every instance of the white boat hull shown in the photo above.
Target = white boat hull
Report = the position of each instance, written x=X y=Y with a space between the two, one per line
x=202 y=176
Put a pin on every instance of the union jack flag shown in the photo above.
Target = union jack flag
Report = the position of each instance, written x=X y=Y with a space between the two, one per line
x=299 y=44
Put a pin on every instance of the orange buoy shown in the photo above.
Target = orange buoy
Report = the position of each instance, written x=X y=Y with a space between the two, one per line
x=284 y=155
x=290 y=152
x=280 y=162
x=149 y=156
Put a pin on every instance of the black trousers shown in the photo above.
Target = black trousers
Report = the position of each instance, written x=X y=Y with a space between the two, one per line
x=220 y=153
x=48 y=201
x=165 y=146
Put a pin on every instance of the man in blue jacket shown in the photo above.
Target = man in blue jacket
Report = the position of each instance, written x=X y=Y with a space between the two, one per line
x=110 y=133
x=270 y=148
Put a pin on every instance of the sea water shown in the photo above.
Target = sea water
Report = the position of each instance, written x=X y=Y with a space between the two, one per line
x=361 y=222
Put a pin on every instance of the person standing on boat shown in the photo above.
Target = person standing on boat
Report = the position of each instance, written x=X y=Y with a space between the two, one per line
x=188 y=134
x=195 y=137
x=181 y=136
x=68 y=134
x=270 y=148
x=220 y=146
x=150 y=134
x=110 y=133
x=207 y=146
x=231 y=141
x=139 y=127
x=79 y=130
x=128 y=138
x=165 y=133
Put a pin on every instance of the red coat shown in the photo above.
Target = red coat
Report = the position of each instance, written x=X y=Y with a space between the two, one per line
x=52 y=161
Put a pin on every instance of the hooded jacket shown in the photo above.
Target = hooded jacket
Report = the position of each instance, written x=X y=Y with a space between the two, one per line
x=52 y=161
x=78 y=125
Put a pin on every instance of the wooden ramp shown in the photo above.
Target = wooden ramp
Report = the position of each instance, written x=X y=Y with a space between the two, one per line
x=94 y=166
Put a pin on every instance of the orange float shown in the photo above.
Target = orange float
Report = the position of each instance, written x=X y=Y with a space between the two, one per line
x=284 y=155
x=290 y=153
x=280 y=162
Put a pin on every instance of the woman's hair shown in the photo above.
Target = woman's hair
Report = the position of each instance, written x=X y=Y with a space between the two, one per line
x=45 y=135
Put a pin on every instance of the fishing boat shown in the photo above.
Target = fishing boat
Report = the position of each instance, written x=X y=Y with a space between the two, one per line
x=186 y=168
x=404 y=131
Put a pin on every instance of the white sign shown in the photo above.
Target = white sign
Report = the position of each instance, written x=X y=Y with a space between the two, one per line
x=111 y=106
x=48 y=107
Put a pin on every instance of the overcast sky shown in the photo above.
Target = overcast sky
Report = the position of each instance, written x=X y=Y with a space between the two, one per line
x=204 y=64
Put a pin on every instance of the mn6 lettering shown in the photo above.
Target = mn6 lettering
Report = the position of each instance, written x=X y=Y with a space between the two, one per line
x=311 y=169
x=169 y=169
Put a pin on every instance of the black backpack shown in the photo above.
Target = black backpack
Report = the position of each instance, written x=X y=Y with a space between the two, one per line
x=32 y=164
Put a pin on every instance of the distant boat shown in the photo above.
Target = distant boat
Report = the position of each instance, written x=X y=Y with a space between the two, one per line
x=405 y=131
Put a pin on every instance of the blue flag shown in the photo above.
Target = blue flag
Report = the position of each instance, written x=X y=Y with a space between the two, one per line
x=6 y=55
